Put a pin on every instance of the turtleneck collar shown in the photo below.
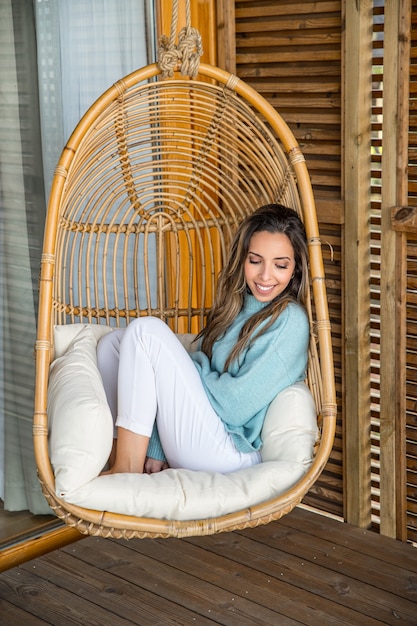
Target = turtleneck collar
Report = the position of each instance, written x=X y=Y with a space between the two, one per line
x=252 y=305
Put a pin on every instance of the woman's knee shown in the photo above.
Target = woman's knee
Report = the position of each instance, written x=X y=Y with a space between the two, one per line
x=109 y=345
x=148 y=325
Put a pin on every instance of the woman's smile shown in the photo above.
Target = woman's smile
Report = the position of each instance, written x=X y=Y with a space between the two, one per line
x=264 y=288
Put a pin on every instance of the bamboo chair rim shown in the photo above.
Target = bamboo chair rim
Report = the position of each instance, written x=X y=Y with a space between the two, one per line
x=111 y=524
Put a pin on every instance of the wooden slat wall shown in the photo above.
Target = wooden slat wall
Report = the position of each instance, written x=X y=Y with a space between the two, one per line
x=411 y=299
x=411 y=388
x=412 y=137
x=375 y=243
x=290 y=52
x=357 y=84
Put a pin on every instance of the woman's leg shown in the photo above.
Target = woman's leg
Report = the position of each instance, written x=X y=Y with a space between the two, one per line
x=128 y=447
x=108 y=352
x=130 y=453
x=108 y=355
x=157 y=379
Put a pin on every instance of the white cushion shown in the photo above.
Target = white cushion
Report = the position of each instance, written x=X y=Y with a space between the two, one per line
x=290 y=427
x=65 y=334
x=80 y=422
x=289 y=435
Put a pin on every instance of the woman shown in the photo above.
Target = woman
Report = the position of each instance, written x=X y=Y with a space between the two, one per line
x=205 y=410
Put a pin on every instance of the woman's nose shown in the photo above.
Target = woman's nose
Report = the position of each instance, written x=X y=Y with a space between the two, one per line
x=265 y=271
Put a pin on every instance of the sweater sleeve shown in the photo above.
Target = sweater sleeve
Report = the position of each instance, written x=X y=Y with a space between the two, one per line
x=155 y=450
x=275 y=360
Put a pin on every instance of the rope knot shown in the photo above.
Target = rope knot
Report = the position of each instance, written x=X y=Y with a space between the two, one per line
x=168 y=57
x=190 y=48
x=186 y=54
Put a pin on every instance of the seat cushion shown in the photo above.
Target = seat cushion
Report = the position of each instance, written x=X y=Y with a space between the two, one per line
x=81 y=437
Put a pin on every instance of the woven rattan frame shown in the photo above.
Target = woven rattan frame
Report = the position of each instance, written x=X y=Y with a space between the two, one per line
x=157 y=174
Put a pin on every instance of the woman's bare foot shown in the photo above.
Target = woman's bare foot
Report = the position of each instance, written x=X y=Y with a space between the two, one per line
x=130 y=453
x=152 y=466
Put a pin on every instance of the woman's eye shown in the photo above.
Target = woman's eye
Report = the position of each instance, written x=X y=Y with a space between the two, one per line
x=254 y=261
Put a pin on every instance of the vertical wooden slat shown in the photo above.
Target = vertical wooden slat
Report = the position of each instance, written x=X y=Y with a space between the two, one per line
x=394 y=192
x=357 y=90
x=375 y=251
x=411 y=301
x=226 y=35
x=411 y=376
x=405 y=46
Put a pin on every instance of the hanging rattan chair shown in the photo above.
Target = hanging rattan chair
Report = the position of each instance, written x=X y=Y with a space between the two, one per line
x=145 y=198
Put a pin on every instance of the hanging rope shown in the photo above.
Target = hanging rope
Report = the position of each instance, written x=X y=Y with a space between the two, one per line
x=186 y=54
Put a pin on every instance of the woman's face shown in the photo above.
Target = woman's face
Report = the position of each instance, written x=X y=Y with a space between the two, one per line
x=269 y=265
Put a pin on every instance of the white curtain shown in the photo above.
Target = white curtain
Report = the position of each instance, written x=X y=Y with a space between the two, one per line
x=83 y=48
x=56 y=58
x=22 y=212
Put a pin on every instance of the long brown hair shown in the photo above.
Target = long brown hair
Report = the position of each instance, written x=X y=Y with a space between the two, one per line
x=231 y=287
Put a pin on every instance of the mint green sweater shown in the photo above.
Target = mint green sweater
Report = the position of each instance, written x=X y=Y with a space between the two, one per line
x=241 y=396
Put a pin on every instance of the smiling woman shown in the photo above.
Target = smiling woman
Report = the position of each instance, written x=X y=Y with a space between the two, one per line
x=205 y=411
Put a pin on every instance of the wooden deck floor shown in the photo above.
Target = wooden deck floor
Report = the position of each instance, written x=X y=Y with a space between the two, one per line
x=303 y=569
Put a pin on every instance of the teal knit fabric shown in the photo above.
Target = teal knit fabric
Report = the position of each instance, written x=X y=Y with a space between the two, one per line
x=275 y=360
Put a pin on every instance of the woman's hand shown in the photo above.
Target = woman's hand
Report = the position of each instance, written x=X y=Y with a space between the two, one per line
x=153 y=466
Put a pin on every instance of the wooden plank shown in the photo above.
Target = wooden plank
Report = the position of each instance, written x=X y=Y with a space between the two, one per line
x=329 y=212
x=365 y=542
x=14 y=616
x=124 y=600
x=295 y=56
x=412 y=532
x=325 y=500
x=309 y=95
x=274 y=9
x=332 y=572
x=165 y=565
x=292 y=116
x=226 y=35
x=45 y=600
x=265 y=24
x=303 y=569
x=278 y=70
x=383 y=594
x=411 y=390
x=357 y=72
x=261 y=36
x=260 y=572
x=392 y=369
x=402 y=114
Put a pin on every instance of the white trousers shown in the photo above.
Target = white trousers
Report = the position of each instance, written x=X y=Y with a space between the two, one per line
x=148 y=375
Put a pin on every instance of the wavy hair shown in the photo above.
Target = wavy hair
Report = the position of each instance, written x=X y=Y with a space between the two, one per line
x=231 y=287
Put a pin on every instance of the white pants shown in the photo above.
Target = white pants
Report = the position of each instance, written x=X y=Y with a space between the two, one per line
x=148 y=375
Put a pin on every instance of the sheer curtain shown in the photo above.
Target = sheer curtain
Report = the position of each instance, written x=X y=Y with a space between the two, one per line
x=56 y=58
x=83 y=48
x=22 y=212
